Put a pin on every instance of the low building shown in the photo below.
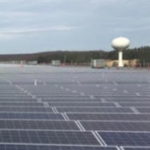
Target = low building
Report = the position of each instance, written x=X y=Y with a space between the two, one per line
x=127 y=63
x=56 y=62
x=98 y=63
x=32 y=62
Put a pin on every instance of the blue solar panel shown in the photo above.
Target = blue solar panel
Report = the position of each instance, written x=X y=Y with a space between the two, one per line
x=74 y=109
x=38 y=124
x=48 y=137
x=109 y=116
x=116 y=126
x=126 y=138
x=85 y=104
x=137 y=148
x=143 y=110
x=94 y=109
x=12 y=104
x=21 y=115
x=25 y=109
x=34 y=147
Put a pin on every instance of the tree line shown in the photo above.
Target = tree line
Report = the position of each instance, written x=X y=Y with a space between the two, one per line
x=142 y=53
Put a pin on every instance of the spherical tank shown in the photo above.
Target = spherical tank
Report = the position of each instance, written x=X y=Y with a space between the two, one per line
x=120 y=43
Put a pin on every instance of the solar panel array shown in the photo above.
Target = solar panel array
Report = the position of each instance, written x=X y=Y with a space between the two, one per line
x=48 y=108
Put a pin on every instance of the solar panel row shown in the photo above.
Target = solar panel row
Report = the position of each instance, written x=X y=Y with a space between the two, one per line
x=38 y=124
x=74 y=109
x=94 y=109
x=48 y=137
x=25 y=109
x=99 y=116
x=49 y=116
x=126 y=139
x=46 y=147
x=116 y=126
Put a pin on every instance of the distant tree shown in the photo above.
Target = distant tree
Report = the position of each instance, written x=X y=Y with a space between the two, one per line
x=77 y=57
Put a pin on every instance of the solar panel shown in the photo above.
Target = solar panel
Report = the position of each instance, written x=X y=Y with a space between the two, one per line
x=5 y=101
x=48 y=137
x=66 y=100
x=45 y=147
x=21 y=115
x=141 y=104
x=74 y=109
x=25 y=109
x=82 y=104
x=38 y=124
x=137 y=148
x=116 y=126
x=14 y=96
x=21 y=104
x=143 y=110
x=126 y=138
x=94 y=109
x=96 y=116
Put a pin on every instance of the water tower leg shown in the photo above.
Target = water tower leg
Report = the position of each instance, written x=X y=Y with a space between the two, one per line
x=120 y=59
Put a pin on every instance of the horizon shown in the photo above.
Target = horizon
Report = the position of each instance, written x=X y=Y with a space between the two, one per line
x=38 y=52
x=49 y=25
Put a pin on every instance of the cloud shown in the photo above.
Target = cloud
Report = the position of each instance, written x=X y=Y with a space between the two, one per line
x=32 y=30
x=76 y=24
x=17 y=14
x=11 y=1
x=14 y=33
x=103 y=1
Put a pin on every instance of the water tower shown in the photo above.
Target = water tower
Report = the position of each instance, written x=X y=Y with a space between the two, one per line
x=120 y=44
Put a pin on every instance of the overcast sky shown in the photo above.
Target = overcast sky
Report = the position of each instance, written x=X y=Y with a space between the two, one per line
x=28 y=26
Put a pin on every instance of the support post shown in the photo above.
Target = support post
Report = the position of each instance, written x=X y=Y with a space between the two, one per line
x=120 y=59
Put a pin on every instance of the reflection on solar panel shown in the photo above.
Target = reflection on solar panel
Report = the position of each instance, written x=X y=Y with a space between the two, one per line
x=74 y=109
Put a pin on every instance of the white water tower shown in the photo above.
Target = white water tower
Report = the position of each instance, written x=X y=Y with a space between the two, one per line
x=120 y=44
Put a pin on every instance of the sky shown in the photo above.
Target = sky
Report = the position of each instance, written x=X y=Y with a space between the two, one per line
x=29 y=26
